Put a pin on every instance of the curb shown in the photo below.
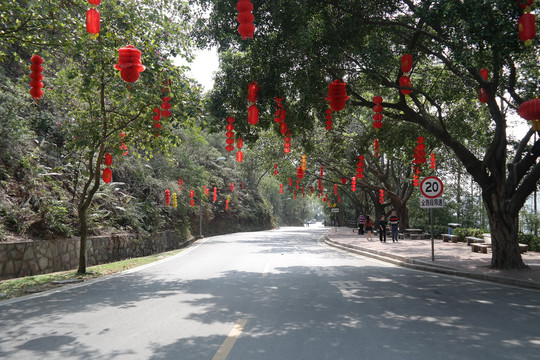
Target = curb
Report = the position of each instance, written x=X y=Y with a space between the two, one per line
x=425 y=266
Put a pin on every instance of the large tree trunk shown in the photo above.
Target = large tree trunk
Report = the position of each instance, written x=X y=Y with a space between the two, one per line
x=83 y=233
x=504 y=236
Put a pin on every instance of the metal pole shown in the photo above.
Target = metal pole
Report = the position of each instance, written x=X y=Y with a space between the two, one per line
x=200 y=218
x=432 y=242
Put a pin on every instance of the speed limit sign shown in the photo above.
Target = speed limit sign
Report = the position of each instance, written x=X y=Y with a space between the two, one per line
x=431 y=187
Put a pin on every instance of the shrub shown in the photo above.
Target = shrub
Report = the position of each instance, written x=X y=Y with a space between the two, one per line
x=531 y=240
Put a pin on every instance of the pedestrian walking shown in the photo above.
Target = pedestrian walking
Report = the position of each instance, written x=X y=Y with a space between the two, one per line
x=361 y=223
x=382 y=229
x=369 y=228
x=394 y=224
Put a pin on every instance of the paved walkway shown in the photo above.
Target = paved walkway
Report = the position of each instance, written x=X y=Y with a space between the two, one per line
x=450 y=258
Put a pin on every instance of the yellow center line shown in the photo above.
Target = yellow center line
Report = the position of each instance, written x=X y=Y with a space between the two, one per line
x=228 y=344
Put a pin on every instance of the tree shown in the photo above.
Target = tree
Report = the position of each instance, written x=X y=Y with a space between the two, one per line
x=300 y=47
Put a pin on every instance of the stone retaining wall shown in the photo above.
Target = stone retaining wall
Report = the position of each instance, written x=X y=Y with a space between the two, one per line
x=39 y=257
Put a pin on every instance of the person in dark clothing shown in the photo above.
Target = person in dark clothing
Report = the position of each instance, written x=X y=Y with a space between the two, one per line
x=361 y=222
x=394 y=224
x=382 y=229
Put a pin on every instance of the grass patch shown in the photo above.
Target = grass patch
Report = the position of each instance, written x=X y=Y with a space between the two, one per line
x=38 y=283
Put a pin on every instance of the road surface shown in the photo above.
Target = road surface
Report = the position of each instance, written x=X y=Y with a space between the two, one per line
x=273 y=295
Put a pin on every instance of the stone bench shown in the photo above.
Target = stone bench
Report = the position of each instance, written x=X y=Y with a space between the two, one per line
x=449 y=237
x=472 y=240
x=479 y=247
x=419 y=236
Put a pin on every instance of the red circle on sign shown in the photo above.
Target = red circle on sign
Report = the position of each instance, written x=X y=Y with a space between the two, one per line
x=434 y=187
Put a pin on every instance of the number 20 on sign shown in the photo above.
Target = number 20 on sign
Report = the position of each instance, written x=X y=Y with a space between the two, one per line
x=431 y=187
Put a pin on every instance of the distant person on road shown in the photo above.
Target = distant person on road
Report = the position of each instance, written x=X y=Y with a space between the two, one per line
x=382 y=229
x=394 y=224
x=369 y=228
x=361 y=223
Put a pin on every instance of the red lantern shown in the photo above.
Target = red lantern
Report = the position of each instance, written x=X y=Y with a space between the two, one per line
x=287 y=145
x=335 y=189
x=92 y=22
x=227 y=202
x=239 y=156
x=376 y=147
x=419 y=152
x=253 y=91
x=328 y=119
x=36 y=76
x=281 y=188
x=245 y=19
x=275 y=170
x=483 y=96
x=360 y=167
x=377 y=117
x=231 y=187
x=527 y=28
x=405 y=85
x=253 y=115
x=524 y=4
x=530 y=110
x=129 y=63
x=381 y=196
x=353 y=184
x=337 y=95
x=165 y=105
x=343 y=181
x=484 y=73
x=300 y=172
x=108 y=159
x=230 y=134
x=94 y=2
x=280 y=113
x=433 y=162
x=215 y=194
x=167 y=197
x=406 y=63
x=107 y=175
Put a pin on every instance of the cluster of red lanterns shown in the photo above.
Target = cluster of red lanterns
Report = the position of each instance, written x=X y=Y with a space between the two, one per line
x=129 y=63
x=419 y=151
x=353 y=184
x=230 y=134
x=526 y=22
x=360 y=167
x=483 y=96
x=157 y=126
x=530 y=110
x=376 y=148
x=381 y=196
x=107 y=172
x=337 y=95
x=404 y=80
x=192 y=195
x=245 y=19
x=432 y=162
x=36 y=75
x=167 y=197
x=287 y=144
x=253 y=112
x=328 y=121
x=377 y=117
x=92 y=19
x=239 y=154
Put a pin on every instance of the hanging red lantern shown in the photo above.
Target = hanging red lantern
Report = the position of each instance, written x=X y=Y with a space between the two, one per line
x=215 y=194
x=530 y=110
x=322 y=171
x=230 y=134
x=337 y=95
x=377 y=117
x=433 y=162
x=108 y=159
x=524 y=4
x=376 y=148
x=239 y=156
x=253 y=91
x=92 y=22
x=353 y=184
x=227 y=202
x=192 y=195
x=335 y=189
x=527 y=28
x=180 y=183
x=36 y=75
x=328 y=121
x=290 y=182
x=129 y=63
x=245 y=19
x=381 y=196
x=406 y=63
x=416 y=174
x=253 y=115
x=166 y=106
x=405 y=85
x=231 y=186
x=419 y=151
x=343 y=180
x=283 y=128
x=275 y=170
x=167 y=197
x=281 y=113
x=483 y=96
x=107 y=175
x=300 y=172
x=298 y=183
x=281 y=188
x=287 y=145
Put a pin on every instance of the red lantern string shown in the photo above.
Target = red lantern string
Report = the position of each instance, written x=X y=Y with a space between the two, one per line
x=281 y=113
x=328 y=121
x=335 y=189
x=281 y=188
x=299 y=173
x=239 y=154
x=376 y=148
x=294 y=194
x=337 y=95
x=167 y=197
x=227 y=202
x=353 y=184
x=129 y=63
x=287 y=145
x=360 y=167
x=157 y=126
x=192 y=195
x=339 y=198
x=320 y=187
x=298 y=183
x=419 y=152
x=215 y=194
x=253 y=115
x=93 y=19
x=405 y=81
x=230 y=134
x=483 y=96
x=377 y=117
x=36 y=75
x=381 y=196
x=107 y=172
x=433 y=162
x=290 y=182
x=231 y=187
x=245 y=19
x=405 y=85
x=124 y=147
x=253 y=91
x=530 y=110
x=416 y=175
x=275 y=170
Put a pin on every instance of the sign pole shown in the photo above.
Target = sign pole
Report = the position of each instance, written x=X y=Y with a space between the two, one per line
x=432 y=242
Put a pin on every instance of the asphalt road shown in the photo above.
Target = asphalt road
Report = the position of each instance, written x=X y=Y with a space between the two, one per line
x=274 y=295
